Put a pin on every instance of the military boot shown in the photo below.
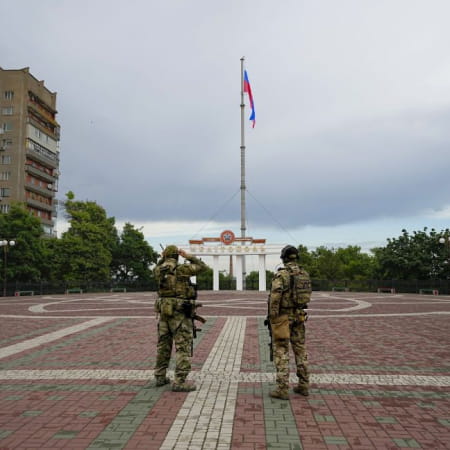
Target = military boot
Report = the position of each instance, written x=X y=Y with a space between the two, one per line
x=302 y=390
x=161 y=381
x=278 y=393
x=184 y=387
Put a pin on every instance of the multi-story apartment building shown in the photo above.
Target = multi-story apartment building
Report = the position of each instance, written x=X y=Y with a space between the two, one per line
x=29 y=145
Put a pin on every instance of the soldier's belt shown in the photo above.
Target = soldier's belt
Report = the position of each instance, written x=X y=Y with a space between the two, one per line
x=293 y=311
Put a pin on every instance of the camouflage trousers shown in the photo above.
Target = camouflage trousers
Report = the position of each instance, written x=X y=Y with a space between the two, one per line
x=174 y=329
x=281 y=356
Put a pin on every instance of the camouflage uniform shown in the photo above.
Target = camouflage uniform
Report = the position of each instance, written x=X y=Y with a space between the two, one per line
x=174 y=325
x=285 y=299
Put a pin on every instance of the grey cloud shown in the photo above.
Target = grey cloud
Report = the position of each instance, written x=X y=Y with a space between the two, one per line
x=352 y=106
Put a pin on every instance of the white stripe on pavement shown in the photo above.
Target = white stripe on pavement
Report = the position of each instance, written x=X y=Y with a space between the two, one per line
x=230 y=376
x=49 y=337
x=206 y=418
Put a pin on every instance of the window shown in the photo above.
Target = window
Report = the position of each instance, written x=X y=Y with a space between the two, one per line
x=4 y=208
x=5 y=159
x=5 y=143
x=4 y=176
x=8 y=95
x=7 y=126
x=7 y=111
x=4 y=192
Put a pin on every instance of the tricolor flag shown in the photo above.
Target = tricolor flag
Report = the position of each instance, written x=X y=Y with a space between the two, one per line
x=248 y=90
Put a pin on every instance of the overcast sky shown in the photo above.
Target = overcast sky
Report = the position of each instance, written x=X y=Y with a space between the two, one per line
x=352 y=99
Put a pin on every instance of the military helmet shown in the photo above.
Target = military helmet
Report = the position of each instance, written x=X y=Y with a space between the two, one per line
x=171 y=251
x=289 y=252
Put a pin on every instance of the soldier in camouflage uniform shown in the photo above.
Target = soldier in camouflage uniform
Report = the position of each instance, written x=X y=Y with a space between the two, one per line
x=174 y=306
x=289 y=296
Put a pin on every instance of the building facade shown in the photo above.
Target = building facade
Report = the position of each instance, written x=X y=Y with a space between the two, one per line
x=29 y=145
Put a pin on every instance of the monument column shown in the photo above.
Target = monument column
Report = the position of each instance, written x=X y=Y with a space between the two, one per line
x=215 y=272
x=262 y=272
x=239 y=285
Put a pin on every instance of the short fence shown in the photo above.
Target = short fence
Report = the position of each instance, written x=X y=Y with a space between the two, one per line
x=386 y=286
x=389 y=286
x=65 y=288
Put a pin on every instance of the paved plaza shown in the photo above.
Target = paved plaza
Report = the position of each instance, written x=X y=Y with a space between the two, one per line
x=76 y=372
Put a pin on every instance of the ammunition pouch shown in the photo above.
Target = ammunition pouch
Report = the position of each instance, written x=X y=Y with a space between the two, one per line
x=191 y=293
x=280 y=327
x=166 y=308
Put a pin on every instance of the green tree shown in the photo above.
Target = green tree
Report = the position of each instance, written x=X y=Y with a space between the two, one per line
x=326 y=264
x=252 y=279
x=25 y=259
x=133 y=256
x=347 y=263
x=305 y=258
x=355 y=265
x=87 y=246
x=416 y=255
x=51 y=251
x=204 y=280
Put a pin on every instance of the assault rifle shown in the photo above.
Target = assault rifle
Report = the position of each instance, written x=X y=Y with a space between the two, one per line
x=267 y=324
x=190 y=310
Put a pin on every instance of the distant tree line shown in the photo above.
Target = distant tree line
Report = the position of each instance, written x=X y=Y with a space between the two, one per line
x=93 y=250
x=411 y=256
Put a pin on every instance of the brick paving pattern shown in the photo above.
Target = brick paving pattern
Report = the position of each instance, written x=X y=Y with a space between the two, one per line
x=76 y=372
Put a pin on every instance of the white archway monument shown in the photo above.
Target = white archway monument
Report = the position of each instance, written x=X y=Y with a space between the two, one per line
x=227 y=244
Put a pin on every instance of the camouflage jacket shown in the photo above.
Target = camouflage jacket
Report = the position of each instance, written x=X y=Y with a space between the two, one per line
x=290 y=290
x=174 y=279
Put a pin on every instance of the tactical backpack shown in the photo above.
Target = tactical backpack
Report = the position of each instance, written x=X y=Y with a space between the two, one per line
x=171 y=285
x=167 y=279
x=300 y=286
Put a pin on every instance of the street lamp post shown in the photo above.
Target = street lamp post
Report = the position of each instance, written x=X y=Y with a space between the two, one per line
x=446 y=242
x=5 y=244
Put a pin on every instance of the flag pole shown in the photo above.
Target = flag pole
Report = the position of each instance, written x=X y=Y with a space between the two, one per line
x=243 y=187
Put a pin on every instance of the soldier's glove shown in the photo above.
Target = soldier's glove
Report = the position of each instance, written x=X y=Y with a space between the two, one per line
x=188 y=308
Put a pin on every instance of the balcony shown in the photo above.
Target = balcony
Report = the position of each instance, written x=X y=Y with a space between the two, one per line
x=45 y=190
x=47 y=221
x=42 y=113
x=40 y=174
x=42 y=155
x=43 y=125
x=39 y=205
